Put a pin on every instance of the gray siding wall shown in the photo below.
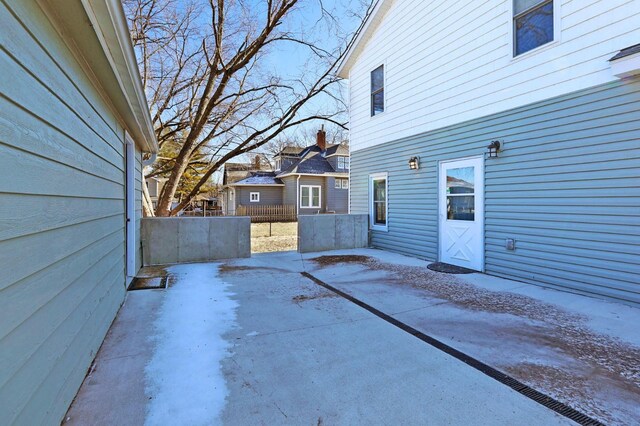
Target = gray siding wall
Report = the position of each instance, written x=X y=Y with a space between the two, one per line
x=566 y=187
x=269 y=196
x=290 y=191
x=337 y=199
x=62 y=219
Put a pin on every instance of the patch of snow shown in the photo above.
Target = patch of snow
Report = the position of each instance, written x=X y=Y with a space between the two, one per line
x=253 y=333
x=184 y=381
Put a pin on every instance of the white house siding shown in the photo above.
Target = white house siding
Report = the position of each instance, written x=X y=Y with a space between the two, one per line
x=451 y=61
x=62 y=218
x=566 y=188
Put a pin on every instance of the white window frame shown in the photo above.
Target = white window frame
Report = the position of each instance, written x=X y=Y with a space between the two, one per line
x=251 y=197
x=372 y=225
x=345 y=183
x=337 y=184
x=557 y=21
x=347 y=163
x=384 y=90
x=278 y=164
x=311 y=206
x=341 y=163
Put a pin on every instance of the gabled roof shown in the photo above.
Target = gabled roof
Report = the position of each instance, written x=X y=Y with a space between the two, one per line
x=369 y=26
x=235 y=172
x=260 y=178
x=314 y=161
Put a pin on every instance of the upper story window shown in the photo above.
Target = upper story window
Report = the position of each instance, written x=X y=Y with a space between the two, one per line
x=532 y=24
x=377 y=90
x=341 y=163
x=278 y=164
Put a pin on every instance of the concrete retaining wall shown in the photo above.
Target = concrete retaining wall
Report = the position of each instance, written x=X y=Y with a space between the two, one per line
x=194 y=239
x=332 y=232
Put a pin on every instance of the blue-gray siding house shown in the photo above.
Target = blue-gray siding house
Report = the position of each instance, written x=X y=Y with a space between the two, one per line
x=519 y=160
x=314 y=180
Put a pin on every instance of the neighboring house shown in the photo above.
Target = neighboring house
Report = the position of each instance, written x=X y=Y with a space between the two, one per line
x=74 y=124
x=555 y=84
x=314 y=179
x=154 y=186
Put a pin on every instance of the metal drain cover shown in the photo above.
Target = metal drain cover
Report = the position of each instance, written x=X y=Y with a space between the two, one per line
x=148 y=283
x=449 y=269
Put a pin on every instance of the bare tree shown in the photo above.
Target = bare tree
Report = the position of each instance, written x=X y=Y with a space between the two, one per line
x=212 y=97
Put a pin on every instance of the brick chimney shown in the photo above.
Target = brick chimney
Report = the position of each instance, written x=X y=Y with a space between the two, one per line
x=321 y=139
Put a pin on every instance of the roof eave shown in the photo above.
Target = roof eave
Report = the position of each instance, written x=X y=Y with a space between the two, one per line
x=371 y=22
x=110 y=25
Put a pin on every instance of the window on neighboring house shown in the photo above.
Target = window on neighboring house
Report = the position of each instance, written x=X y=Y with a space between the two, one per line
x=254 y=197
x=347 y=162
x=341 y=163
x=345 y=183
x=378 y=200
x=310 y=196
x=338 y=185
x=377 y=90
x=278 y=164
x=532 y=24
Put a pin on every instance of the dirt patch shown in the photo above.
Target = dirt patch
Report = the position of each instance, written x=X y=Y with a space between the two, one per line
x=599 y=359
x=273 y=244
x=337 y=259
x=306 y=297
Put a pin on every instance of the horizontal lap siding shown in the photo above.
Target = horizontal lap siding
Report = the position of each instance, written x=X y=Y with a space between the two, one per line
x=451 y=61
x=61 y=219
x=269 y=196
x=566 y=187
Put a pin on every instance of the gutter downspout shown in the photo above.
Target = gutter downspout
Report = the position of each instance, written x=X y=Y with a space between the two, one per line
x=149 y=161
x=298 y=196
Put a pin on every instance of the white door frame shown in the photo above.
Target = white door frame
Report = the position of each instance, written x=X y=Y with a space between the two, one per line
x=480 y=211
x=130 y=204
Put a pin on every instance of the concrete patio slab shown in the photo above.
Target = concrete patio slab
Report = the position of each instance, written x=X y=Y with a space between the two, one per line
x=292 y=352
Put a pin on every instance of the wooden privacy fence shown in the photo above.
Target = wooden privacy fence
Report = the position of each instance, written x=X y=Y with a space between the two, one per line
x=283 y=213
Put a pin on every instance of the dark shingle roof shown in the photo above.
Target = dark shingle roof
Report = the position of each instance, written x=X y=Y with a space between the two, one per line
x=312 y=161
x=260 y=178
x=627 y=51
x=234 y=172
x=337 y=150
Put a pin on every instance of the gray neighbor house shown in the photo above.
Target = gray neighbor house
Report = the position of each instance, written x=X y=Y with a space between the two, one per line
x=312 y=180
x=503 y=137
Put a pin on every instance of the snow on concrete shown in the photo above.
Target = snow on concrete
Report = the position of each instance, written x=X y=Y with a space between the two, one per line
x=184 y=382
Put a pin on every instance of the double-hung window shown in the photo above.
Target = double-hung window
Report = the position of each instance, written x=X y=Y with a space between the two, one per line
x=532 y=24
x=378 y=207
x=377 y=91
x=345 y=183
x=310 y=196
x=337 y=184
x=254 y=197
x=341 y=163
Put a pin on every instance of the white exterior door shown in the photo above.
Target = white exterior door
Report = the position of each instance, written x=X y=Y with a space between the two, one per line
x=461 y=213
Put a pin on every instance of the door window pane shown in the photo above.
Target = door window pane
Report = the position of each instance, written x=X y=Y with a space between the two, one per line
x=533 y=28
x=380 y=202
x=461 y=207
x=460 y=181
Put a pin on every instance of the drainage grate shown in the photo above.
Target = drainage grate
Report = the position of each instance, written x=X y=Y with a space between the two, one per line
x=148 y=283
x=449 y=269
x=503 y=378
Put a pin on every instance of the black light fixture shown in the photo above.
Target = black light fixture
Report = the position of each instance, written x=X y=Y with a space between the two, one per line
x=493 y=148
x=414 y=163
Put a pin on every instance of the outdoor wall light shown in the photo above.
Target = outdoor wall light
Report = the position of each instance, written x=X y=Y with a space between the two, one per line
x=414 y=163
x=493 y=148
